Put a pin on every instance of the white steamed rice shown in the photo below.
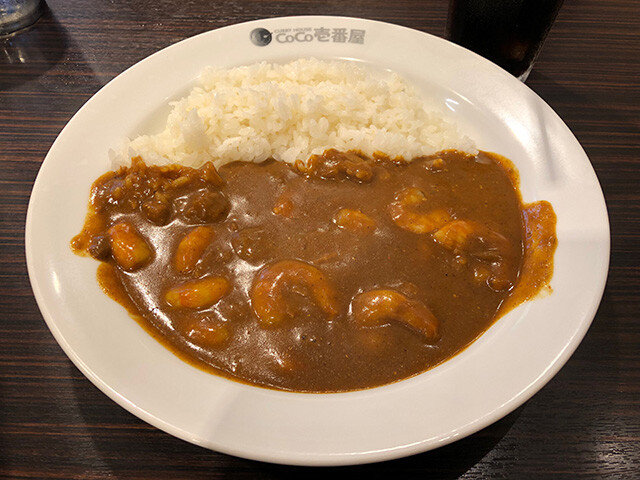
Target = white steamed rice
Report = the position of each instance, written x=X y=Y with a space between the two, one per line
x=291 y=111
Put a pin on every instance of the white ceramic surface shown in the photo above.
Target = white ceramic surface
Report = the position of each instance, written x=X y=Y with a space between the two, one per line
x=499 y=372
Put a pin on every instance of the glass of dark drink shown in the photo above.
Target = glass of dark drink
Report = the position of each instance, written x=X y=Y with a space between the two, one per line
x=510 y=33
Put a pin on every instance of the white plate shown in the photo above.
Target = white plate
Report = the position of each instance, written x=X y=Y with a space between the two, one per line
x=499 y=372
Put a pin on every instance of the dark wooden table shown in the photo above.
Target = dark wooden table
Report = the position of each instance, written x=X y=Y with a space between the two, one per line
x=55 y=424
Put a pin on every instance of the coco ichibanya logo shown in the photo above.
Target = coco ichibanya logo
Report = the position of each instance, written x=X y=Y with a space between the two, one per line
x=263 y=37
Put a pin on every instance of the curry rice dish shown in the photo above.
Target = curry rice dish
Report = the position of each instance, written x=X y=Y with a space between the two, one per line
x=346 y=272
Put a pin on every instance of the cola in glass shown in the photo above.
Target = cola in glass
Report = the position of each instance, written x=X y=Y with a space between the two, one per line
x=510 y=33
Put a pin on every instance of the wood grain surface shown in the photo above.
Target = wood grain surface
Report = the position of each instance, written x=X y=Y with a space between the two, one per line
x=55 y=424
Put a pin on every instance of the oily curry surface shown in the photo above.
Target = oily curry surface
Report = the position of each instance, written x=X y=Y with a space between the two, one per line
x=345 y=273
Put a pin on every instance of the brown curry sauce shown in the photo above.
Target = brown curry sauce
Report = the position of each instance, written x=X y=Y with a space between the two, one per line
x=345 y=273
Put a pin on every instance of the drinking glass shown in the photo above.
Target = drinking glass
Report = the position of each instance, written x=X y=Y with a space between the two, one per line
x=510 y=33
x=18 y=14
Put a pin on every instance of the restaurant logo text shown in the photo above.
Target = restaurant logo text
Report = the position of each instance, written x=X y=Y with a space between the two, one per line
x=262 y=37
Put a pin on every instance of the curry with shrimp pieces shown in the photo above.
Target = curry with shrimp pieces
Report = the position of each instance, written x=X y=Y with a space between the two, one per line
x=341 y=273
